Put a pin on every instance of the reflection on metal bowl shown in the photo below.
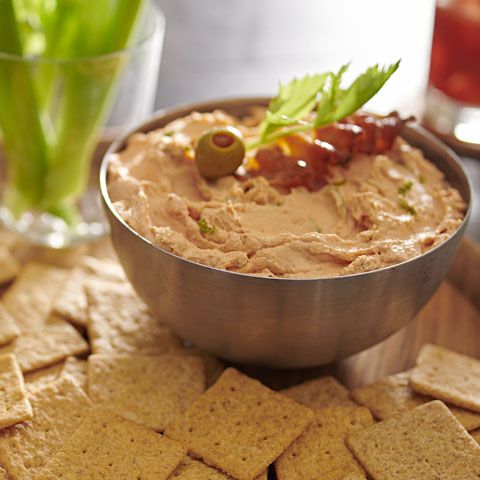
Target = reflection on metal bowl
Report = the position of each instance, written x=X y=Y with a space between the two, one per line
x=287 y=323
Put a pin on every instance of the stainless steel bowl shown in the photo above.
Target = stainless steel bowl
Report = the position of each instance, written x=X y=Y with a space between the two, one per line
x=282 y=322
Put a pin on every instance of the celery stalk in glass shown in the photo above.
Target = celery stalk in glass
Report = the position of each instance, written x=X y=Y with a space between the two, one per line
x=23 y=136
x=87 y=89
x=62 y=101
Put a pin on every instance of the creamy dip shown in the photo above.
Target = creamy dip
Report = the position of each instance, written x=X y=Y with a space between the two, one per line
x=375 y=211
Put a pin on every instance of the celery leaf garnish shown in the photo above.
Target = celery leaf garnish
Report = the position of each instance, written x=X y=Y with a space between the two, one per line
x=294 y=101
x=315 y=100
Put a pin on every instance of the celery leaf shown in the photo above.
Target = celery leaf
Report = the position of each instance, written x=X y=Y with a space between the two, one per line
x=315 y=100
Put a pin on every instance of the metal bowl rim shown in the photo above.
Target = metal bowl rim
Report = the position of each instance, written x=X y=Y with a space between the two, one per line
x=159 y=114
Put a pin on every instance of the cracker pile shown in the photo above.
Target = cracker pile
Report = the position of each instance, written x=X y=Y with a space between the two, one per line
x=93 y=386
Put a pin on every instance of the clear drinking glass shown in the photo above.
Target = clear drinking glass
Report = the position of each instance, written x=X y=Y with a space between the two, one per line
x=453 y=97
x=89 y=100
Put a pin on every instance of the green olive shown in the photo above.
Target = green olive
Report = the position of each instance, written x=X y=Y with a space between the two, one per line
x=219 y=152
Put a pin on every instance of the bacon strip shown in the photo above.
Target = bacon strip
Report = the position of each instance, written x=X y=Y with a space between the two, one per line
x=298 y=160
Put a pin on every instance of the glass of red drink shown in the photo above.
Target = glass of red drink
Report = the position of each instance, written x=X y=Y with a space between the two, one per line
x=453 y=98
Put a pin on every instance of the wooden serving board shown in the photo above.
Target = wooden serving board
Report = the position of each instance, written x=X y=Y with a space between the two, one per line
x=451 y=319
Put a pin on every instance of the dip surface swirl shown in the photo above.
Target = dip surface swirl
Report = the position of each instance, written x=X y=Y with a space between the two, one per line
x=374 y=211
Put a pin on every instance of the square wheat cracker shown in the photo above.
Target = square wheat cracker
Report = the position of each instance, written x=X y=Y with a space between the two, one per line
x=105 y=268
x=76 y=368
x=191 y=469
x=151 y=390
x=349 y=476
x=109 y=447
x=58 y=410
x=427 y=443
x=14 y=404
x=119 y=322
x=448 y=376
x=320 y=393
x=9 y=266
x=320 y=451
x=9 y=239
x=30 y=299
x=9 y=330
x=240 y=426
x=71 y=303
x=42 y=377
x=391 y=396
x=46 y=346
x=214 y=367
